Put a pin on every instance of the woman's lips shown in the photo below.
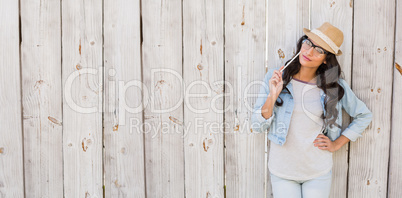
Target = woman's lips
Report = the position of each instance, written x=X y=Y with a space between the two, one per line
x=305 y=58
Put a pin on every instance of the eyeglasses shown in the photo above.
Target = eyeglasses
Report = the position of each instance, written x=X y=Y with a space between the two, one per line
x=318 y=51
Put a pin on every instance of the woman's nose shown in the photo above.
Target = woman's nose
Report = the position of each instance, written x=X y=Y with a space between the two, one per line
x=310 y=51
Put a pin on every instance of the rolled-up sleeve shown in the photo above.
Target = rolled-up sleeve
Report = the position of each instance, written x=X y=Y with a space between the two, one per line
x=358 y=110
x=258 y=122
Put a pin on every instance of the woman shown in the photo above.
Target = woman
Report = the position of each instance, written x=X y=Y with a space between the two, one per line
x=302 y=107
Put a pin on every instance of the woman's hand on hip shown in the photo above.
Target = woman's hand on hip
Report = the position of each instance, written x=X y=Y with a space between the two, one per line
x=324 y=143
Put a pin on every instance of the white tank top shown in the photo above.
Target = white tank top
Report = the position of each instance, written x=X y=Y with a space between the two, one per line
x=298 y=158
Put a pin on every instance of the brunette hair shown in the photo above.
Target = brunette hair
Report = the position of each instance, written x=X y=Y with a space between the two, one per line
x=327 y=79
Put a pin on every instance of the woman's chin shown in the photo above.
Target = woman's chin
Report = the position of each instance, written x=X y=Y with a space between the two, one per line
x=304 y=64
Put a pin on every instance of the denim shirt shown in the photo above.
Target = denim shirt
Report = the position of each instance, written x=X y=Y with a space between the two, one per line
x=279 y=121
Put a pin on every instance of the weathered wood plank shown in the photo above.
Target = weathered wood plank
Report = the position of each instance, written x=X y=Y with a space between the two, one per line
x=202 y=70
x=163 y=116
x=373 y=46
x=11 y=153
x=395 y=171
x=244 y=63
x=286 y=20
x=339 y=14
x=42 y=98
x=123 y=137
x=82 y=101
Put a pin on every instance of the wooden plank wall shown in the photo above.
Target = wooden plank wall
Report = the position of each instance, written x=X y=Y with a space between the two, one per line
x=42 y=98
x=244 y=63
x=11 y=137
x=121 y=98
x=162 y=71
x=373 y=52
x=203 y=75
x=395 y=155
x=82 y=98
x=124 y=148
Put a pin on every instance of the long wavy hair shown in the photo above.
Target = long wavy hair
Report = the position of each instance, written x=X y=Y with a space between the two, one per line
x=327 y=80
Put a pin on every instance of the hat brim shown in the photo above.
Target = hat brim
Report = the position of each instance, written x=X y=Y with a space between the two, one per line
x=320 y=42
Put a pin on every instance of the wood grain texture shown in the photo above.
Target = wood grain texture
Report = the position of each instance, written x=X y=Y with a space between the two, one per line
x=395 y=161
x=203 y=111
x=244 y=64
x=163 y=116
x=11 y=142
x=340 y=14
x=286 y=20
x=42 y=98
x=82 y=101
x=123 y=138
x=154 y=131
x=373 y=46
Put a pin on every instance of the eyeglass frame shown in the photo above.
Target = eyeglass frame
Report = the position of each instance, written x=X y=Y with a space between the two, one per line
x=314 y=46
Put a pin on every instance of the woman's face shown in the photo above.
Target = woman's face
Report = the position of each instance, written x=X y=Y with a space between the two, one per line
x=308 y=59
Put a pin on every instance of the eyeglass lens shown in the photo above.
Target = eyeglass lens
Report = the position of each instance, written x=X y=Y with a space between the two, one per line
x=308 y=44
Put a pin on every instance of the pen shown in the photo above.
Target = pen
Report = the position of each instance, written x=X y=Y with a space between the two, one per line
x=290 y=61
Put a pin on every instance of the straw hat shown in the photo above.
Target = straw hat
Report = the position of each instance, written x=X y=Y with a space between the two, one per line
x=327 y=36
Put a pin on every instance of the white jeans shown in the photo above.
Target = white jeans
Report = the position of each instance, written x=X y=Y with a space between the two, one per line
x=318 y=187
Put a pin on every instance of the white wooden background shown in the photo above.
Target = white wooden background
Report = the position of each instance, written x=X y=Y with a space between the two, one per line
x=55 y=53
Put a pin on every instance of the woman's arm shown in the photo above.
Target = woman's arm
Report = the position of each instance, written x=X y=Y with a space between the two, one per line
x=340 y=141
x=262 y=115
x=268 y=107
x=361 y=115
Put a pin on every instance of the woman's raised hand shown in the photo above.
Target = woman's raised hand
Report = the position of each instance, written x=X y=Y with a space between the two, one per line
x=275 y=84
